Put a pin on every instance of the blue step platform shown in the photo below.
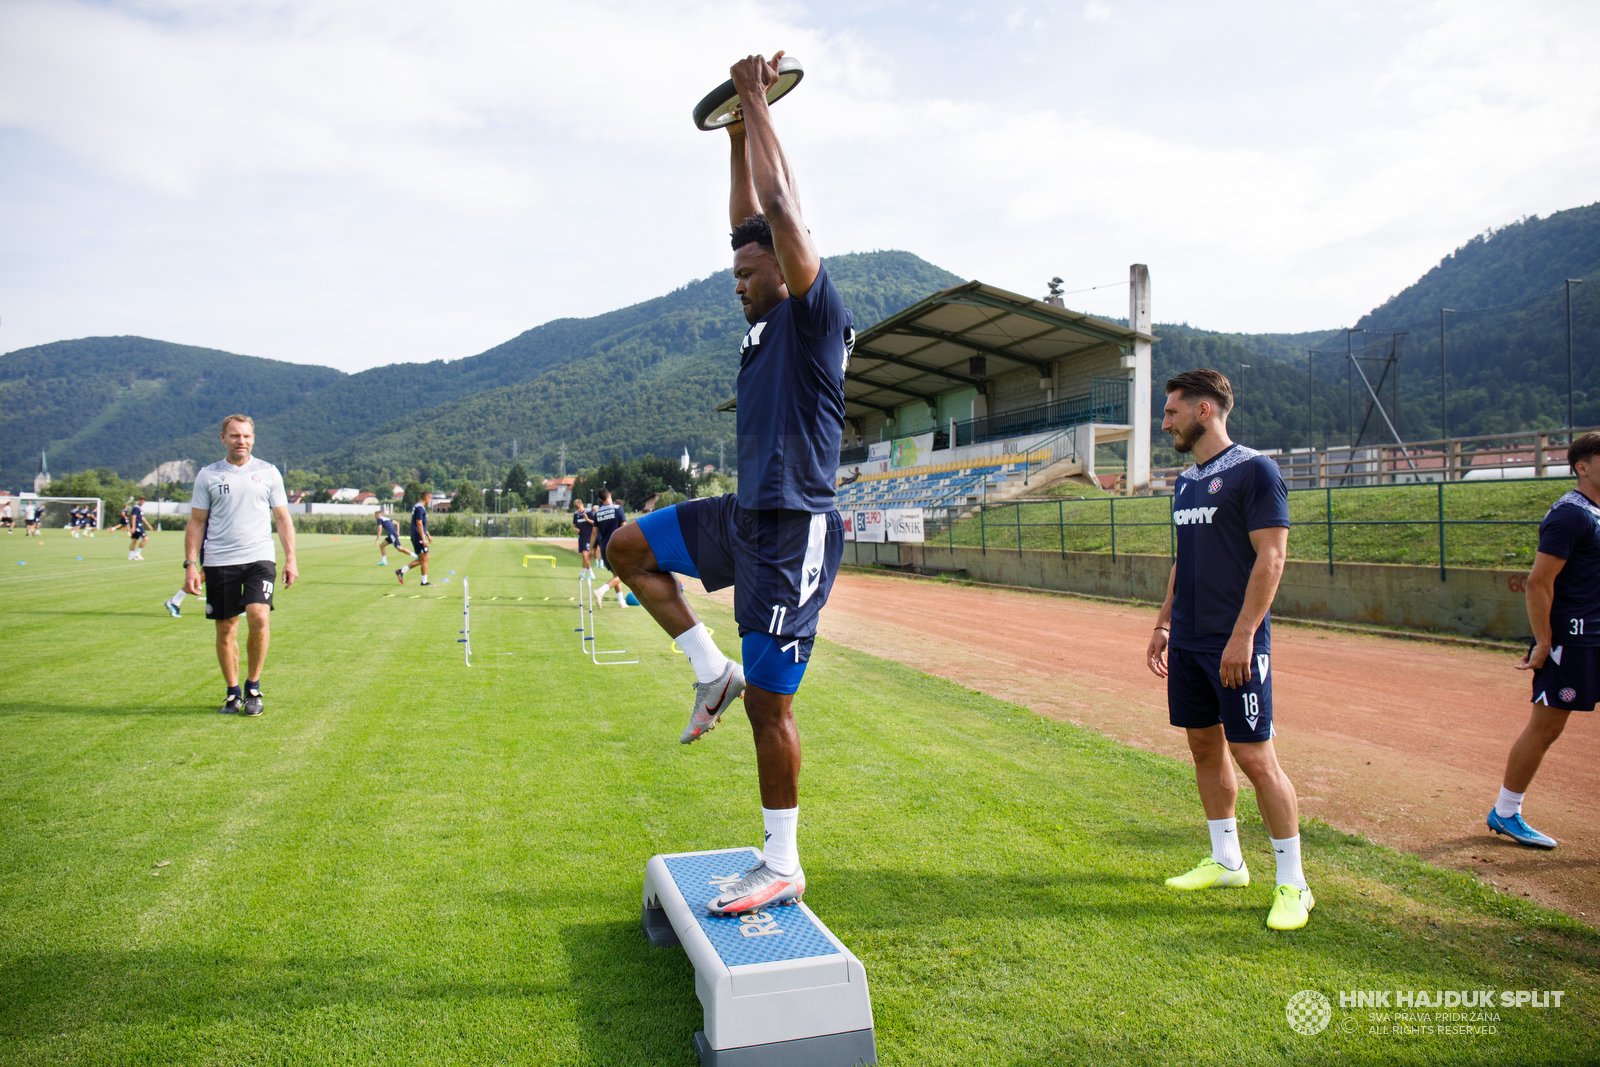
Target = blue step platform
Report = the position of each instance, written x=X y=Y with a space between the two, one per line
x=777 y=988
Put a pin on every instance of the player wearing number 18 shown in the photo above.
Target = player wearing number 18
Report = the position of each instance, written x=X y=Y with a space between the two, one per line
x=231 y=512
x=1563 y=593
x=1232 y=516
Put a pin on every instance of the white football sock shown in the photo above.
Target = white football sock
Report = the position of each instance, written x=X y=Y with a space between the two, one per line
x=1225 y=842
x=1288 y=852
x=704 y=656
x=385 y=559
x=1509 y=803
x=130 y=553
x=780 y=849
x=177 y=598
x=621 y=599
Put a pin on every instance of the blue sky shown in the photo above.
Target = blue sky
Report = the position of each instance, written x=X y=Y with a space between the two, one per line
x=358 y=183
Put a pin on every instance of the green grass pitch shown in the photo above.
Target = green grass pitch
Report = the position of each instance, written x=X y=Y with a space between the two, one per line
x=409 y=861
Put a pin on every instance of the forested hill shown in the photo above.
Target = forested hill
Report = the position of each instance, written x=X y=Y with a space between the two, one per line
x=120 y=401
x=640 y=379
x=1525 y=259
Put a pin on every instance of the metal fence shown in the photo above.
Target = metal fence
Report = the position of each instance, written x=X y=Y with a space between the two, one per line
x=1478 y=524
x=1529 y=453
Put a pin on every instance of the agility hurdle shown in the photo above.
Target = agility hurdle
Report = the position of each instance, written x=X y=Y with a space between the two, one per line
x=777 y=988
x=586 y=628
x=466 y=619
x=552 y=560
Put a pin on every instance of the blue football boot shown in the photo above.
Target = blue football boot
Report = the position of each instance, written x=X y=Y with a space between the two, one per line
x=1517 y=828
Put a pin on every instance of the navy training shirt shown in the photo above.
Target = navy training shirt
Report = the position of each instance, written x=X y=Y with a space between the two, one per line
x=389 y=528
x=419 y=520
x=135 y=517
x=1571 y=531
x=582 y=518
x=608 y=518
x=1216 y=508
x=791 y=400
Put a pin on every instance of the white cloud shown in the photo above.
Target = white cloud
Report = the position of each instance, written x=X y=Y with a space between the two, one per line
x=358 y=182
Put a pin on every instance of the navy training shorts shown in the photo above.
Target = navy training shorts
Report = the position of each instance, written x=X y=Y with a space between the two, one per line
x=1569 y=679
x=781 y=565
x=1197 y=699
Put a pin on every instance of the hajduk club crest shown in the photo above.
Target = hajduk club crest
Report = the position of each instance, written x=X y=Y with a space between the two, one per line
x=1216 y=484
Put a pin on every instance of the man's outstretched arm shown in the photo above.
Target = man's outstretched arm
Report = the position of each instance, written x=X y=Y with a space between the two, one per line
x=769 y=175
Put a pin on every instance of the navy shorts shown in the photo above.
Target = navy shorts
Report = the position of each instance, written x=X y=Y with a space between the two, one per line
x=418 y=548
x=780 y=563
x=230 y=588
x=1569 y=679
x=1197 y=699
x=391 y=539
x=583 y=540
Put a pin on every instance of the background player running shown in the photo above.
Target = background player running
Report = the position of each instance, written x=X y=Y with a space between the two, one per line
x=778 y=542
x=420 y=539
x=583 y=522
x=1563 y=594
x=388 y=534
x=609 y=517
x=138 y=530
x=231 y=514
x=1232 y=517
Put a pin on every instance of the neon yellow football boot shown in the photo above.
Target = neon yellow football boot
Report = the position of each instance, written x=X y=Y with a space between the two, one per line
x=1211 y=875
x=1291 y=908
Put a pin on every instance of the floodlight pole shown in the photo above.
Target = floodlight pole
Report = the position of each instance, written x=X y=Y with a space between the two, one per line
x=1444 y=417
x=1570 y=283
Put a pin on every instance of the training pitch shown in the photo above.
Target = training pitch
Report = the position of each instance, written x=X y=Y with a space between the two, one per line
x=406 y=860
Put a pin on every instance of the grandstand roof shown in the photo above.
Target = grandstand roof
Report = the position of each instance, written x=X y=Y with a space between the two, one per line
x=924 y=350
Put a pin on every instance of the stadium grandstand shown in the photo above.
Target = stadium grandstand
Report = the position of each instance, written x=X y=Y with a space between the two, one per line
x=977 y=394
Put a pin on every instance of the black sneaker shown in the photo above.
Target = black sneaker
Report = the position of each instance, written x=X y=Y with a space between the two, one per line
x=252 y=703
x=232 y=706
x=400 y=575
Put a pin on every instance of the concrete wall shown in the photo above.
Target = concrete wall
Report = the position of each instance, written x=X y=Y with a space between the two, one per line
x=1471 y=602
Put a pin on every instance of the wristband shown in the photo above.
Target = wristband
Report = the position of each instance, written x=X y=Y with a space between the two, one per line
x=189 y=563
x=1164 y=629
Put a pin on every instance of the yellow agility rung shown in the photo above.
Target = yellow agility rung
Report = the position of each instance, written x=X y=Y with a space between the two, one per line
x=525 y=559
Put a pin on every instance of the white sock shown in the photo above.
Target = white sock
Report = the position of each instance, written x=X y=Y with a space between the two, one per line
x=130 y=553
x=177 y=598
x=621 y=599
x=780 y=849
x=1288 y=852
x=385 y=559
x=1509 y=803
x=704 y=655
x=1225 y=842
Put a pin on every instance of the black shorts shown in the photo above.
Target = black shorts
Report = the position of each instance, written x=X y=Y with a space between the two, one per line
x=418 y=548
x=229 y=589
x=1197 y=699
x=1569 y=679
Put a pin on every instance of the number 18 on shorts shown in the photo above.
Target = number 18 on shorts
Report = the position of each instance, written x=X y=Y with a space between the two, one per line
x=1197 y=699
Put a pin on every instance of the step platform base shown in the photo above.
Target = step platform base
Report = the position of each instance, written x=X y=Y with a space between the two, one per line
x=852 y=1049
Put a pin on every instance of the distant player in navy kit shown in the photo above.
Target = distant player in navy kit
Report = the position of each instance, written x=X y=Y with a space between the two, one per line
x=1563 y=594
x=138 y=530
x=1232 y=516
x=583 y=522
x=609 y=517
x=421 y=539
x=778 y=542
x=231 y=514
x=388 y=534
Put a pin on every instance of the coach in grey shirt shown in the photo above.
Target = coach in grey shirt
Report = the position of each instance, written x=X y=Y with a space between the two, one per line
x=230 y=519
